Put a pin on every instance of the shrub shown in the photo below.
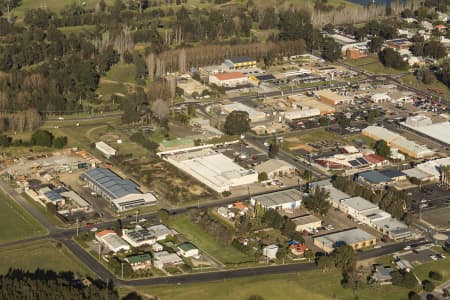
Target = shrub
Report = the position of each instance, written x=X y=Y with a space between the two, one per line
x=428 y=286
x=435 y=275
x=413 y=296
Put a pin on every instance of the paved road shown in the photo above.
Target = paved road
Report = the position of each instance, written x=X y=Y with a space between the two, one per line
x=87 y=118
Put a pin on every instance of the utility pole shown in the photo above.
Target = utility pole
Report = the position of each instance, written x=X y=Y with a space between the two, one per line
x=137 y=212
x=99 y=250
x=77 y=227
x=122 y=269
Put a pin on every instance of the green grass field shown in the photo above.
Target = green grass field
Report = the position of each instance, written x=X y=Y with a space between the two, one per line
x=313 y=285
x=77 y=29
x=15 y=222
x=411 y=80
x=44 y=255
x=373 y=64
x=194 y=233
x=122 y=73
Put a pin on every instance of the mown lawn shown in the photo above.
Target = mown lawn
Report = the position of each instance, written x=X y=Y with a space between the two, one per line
x=15 y=222
x=372 y=64
x=122 y=73
x=42 y=254
x=53 y=5
x=312 y=285
x=194 y=233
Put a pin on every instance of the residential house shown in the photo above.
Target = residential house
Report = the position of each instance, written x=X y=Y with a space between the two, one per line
x=161 y=232
x=112 y=241
x=156 y=247
x=382 y=275
x=139 y=262
x=164 y=259
x=187 y=249
x=138 y=237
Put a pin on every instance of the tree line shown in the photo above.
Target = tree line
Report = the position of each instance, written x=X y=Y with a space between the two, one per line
x=47 y=284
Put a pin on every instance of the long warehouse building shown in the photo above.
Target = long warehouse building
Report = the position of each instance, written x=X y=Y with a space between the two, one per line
x=123 y=194
x=211 y=168
x=395 y=140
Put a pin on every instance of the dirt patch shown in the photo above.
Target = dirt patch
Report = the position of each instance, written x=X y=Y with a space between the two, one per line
x=109 y=137
x=305 y=147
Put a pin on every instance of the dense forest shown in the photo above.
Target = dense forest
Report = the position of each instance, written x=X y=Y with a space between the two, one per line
x=47 y=284
x=46 y=70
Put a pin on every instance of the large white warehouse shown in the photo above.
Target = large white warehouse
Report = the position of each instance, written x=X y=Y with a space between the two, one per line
x=211 y=168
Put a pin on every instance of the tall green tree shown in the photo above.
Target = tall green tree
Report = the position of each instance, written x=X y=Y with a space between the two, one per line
x=317 y=201
x=382 y=148
x=42 y=138
x=237 y=123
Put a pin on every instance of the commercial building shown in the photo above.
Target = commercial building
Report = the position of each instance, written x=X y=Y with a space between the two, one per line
x=332 y=98
x=139 y=262
x=356 y=206
x=391 y=227
x=253 y=114
x=395 y=140
x=187 y=249
x=164 y=259
x=231 y=79
x=263 y=78
x=281 y=200
x=429 y=170
x=301 y=114
x=213 y=169
x=398 y=44
x=61 y=197
x=123 y=194
x=374 y=179
x=138 y=237
x=304 y=102
x=242 y=62
x=105 y=149
x=354 y=237
x=422 y=125
x=307 y=223
x=380 y=98
x=112 y=241
x=357 y=52
x=275 y=168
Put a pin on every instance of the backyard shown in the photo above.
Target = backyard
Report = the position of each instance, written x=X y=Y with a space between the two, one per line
x=206 y=242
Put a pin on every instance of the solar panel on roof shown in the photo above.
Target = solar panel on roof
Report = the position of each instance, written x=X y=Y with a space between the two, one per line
x=354 y=163
x=362 y=161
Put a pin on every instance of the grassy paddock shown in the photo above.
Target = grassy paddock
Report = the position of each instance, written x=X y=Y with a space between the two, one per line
x=15 y=222
x=42 y=254
x=313 y=285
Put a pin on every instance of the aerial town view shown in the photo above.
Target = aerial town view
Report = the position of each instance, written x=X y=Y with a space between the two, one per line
x=225 y=149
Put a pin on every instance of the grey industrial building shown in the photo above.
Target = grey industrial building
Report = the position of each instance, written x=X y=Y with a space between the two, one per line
x=122 y=193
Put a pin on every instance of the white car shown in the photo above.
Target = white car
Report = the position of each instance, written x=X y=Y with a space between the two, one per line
x=61 y=118
x=433 y=257
x=407 y=248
